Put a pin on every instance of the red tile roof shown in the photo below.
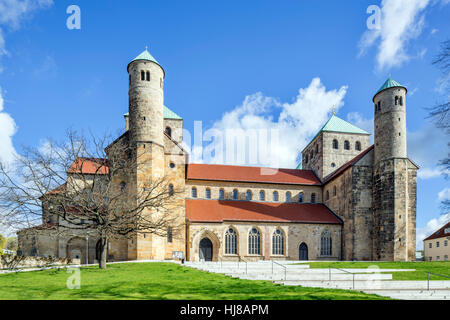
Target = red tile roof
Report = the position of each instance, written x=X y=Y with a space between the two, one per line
x=348 y=164
x=251 y=174
x=89 y=166
x=226 y=210
x=440 y=233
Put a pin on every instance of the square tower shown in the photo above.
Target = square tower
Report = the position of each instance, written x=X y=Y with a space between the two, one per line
x=335 y=144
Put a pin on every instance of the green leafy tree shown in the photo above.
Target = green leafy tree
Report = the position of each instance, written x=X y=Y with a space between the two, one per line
x=2 y=242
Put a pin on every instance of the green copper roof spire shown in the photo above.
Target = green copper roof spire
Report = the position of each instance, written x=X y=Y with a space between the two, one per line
x=145 y=55
x=389 y=83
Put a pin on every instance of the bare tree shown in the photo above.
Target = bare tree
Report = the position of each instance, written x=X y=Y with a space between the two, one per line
x=89 y=185
x=441 y=112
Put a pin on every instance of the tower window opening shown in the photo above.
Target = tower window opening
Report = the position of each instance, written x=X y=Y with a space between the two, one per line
x=171 y=192
x=300 y=197
x=275 y=196
x=346 y=145
x=168 y=131
x=194 y=192
x=317 y=148
x=148 y=75
x=401 y=101
x=306 y=159
x=335 y=144
x=262 y=196
x=396 y=100
x=328 y=195
x=221 y=194
x=142 y=75
x=235 y=194
x=288 y=196
x=208 y=193
x=313 y=198
x=248 y=195
x=358 y=146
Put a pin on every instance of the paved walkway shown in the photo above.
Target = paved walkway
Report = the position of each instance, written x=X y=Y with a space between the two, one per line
x=291 y=273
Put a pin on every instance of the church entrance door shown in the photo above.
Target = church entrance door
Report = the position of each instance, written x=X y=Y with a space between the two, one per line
x=206 y=249
x=303 y=255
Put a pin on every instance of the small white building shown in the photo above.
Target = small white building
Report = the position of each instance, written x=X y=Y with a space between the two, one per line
x=437 y=246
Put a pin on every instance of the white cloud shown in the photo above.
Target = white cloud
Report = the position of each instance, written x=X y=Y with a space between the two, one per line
x=358 y=120
x=7 y=130
x=432 y=226
x=401 y=22
x=444 y=194
x=13 y=12
x=294 y=123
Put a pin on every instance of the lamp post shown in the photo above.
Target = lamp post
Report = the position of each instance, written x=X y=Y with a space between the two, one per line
x=87 y=249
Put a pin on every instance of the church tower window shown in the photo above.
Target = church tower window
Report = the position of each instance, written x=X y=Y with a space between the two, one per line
x=148 y=75
x=327 y=197
x=142 y=75
x=401 y=101
x=335 y=144
x=168 y=131
x=171 y=192
x=346 y=145
x=358 y=145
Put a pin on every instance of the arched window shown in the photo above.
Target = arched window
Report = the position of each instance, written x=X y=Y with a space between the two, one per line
x=401 y=101
x=248 y=195
x=346 y=145
x=379 y=105
x=311 y=155
x=300 y=197
x=123 y=186
x=148 y=75
x=194 y=192
x=306 y=159
x=335 y=144
x=358 y=145
x=231 y=241
x=254 y=242
x=221 y=194
x=278 y=242
x=325 y=243
x=168 y=131
x=208 y=193
x=275 y=196
x=288 y=196
x=317 y=148
x=313 y=198
x=142 y=75
x=235 y=194
x=262 y=196
x=327 y=195
x=334 y=191
x=396 y=100
x=171 y=192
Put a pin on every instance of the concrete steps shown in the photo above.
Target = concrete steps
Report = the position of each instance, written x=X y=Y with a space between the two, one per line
x=370 y=285
x=412 y=294
x=311 y=277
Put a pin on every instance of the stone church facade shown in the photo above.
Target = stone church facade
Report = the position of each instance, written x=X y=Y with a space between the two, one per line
x=347 y=199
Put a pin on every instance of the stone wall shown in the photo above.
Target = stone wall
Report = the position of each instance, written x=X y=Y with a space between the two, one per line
x=294 y=235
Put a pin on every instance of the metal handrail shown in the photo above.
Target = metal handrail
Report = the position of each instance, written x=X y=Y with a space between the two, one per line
x=353 y=274
x=239 y=264
x=285 y=269
x=435 y=274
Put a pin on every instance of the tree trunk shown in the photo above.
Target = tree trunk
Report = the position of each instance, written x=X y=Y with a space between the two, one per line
x=103 y=253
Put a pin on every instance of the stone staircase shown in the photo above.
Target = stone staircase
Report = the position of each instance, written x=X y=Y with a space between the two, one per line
x=291 y=273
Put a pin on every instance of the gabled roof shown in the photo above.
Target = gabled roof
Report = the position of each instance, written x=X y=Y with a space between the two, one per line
x=440 y=233
x=227 y=210
x=168 y=114
x=89 y=166
x=216 y=172
x=336 y=124
x=348 y=164
x=389 y=83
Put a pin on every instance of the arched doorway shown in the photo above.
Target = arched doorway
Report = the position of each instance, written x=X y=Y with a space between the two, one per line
x=303 y=251
x=206 y=250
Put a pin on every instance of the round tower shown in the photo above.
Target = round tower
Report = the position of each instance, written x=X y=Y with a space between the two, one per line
x=390 y=121
x=146 y=99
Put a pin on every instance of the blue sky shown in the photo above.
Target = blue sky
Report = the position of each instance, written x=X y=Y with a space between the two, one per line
x=249 y=64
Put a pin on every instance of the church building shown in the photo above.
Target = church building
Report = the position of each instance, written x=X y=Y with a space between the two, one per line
x=347 y=199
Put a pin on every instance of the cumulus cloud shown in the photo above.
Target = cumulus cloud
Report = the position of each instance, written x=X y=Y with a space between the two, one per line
x=444 y=194
x=401 y=21
x=431 y=226
x=7 y=130
x=266 y=132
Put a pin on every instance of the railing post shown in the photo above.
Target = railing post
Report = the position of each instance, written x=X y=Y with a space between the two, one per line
x=428 y=281
x=353 y=281
x=329 y=272
x=246 y=267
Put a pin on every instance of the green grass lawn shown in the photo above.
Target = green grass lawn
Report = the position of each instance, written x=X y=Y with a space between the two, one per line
x=156 y=281
x=442 y=267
